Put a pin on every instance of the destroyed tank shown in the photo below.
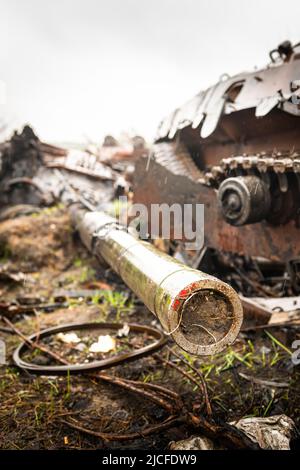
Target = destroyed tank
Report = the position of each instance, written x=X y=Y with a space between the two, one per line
x=236 y=148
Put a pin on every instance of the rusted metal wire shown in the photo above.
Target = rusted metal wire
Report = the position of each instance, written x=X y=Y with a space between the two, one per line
x=65 y=368
x=171 y=421
x=202 y=380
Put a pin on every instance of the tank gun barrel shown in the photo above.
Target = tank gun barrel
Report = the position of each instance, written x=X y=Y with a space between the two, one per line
x=202 y=314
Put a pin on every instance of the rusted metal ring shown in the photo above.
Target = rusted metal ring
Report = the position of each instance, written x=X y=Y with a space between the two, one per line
x=96 y=365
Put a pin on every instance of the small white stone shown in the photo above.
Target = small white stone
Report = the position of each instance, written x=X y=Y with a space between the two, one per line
x=104 y=344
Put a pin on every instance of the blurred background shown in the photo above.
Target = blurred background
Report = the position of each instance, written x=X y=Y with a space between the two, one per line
x=79 y=69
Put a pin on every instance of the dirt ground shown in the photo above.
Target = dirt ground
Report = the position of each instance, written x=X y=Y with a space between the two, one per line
x=36 y=411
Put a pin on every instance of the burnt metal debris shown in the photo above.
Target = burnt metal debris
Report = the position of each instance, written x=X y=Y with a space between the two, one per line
x=236 y=148
x=158 y=342
x=201 y=313
x=34 y=172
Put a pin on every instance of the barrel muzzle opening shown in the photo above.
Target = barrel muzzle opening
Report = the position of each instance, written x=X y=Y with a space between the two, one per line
x=204 y=320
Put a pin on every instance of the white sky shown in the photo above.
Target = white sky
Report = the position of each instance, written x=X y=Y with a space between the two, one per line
x=83 y=68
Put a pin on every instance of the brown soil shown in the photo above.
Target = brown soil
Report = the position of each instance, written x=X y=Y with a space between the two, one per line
x=33 y=409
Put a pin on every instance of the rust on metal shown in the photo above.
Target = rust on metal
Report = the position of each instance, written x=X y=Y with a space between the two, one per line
x=236 y=149
x=275 y=242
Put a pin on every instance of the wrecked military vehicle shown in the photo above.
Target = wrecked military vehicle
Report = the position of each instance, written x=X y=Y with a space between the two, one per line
x=235 y=148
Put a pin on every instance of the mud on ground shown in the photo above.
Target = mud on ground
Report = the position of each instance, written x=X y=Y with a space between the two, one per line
x=34 y=409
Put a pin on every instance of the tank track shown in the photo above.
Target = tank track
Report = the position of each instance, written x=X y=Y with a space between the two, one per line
x=281 y=174
x=279 y=171
x=263 y=165
x=176 y=157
